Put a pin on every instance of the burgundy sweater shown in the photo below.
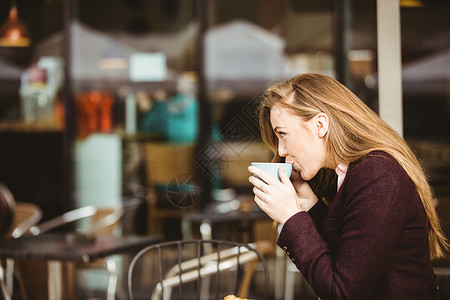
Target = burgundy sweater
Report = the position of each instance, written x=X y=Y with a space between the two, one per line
x=370 y=243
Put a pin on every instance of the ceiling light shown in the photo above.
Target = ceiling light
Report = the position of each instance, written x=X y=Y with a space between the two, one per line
x=14 y=33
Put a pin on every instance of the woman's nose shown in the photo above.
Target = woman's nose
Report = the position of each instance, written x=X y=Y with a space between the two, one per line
x=282 y=151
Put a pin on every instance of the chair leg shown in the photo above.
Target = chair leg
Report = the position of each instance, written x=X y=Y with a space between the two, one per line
x=3 y=285
x=10 y=275
x=290 y=280
x=55 y=281
x=32 y=286
x=70 y=280
x=245 y=284
x=112 y=281
x=280 y=274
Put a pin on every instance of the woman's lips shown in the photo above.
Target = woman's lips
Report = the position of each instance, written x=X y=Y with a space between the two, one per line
x=292 y=163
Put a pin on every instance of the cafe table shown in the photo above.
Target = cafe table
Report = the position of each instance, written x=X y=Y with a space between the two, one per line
x=57 y=248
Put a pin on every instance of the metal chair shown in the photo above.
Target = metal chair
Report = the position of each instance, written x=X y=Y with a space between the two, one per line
x=198 y=269
x=26 y=216
x=23 y=216
x=7 y=210
x=98 y=220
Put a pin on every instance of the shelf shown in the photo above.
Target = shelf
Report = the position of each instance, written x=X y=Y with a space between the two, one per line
x=113 y=85
x=19 y=126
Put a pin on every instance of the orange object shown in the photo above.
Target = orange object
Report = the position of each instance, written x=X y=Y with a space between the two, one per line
x=233 y=297
x=94 y=112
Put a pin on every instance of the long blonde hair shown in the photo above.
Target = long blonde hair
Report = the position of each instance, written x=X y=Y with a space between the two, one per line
x=354 y=131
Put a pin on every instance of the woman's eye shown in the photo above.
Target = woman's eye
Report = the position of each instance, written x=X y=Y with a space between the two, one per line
x=281 y=134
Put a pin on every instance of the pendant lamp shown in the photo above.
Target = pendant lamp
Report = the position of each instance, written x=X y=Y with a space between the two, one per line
x=14 y=33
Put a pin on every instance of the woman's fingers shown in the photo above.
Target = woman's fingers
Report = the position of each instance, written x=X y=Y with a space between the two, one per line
x=262 y=175
x=283 y=176
x=277 y=199
x=258 y=183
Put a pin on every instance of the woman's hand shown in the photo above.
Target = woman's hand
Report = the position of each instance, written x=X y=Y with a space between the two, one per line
x=281 y=200
x=278 y=199
x=306 y=196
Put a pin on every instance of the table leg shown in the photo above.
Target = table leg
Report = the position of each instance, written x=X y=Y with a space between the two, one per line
x=9 y=275
x=206 y=230
x=3 y=287
x=55 y=280
x=206 y=234
x=291 y=270
x=186 y=229
x=280 y=273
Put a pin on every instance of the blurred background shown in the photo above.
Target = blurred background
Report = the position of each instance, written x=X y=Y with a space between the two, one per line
x=108 y=98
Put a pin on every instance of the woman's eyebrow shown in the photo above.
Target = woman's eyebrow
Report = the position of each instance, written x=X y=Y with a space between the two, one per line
x=276 y=128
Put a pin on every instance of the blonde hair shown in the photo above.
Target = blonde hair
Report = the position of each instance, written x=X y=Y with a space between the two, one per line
x=354 y=131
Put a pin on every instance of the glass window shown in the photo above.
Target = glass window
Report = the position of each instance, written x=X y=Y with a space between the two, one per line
x=426 y=65
x=248 y=46
x=136 y=70
x=426 y=95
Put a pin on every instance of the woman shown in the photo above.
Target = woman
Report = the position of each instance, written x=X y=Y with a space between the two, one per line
x=377 y=237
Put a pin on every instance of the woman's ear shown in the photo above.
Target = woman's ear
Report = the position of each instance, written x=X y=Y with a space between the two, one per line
x=322 y=124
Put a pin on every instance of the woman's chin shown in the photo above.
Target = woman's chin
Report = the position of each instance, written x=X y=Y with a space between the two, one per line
x=305 y=177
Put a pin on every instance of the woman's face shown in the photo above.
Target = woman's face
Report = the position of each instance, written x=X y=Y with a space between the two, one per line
x=301 y=142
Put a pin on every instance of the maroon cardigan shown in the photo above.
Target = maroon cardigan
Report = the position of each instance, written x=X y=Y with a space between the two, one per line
x=371 y=243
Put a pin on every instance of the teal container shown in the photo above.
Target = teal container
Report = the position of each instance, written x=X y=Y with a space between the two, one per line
x=175 y=119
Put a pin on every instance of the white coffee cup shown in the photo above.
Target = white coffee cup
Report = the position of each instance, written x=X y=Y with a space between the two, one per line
x=273 y=168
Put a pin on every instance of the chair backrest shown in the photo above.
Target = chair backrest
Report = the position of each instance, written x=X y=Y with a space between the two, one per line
x=198 y=269
x=164 y=162
x=26 y=215
x=104 y=221
x=7 y=208
x=100 y=220
x=66 y=218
